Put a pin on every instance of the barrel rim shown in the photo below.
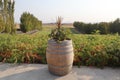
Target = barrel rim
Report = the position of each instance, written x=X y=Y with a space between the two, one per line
x=62 y=42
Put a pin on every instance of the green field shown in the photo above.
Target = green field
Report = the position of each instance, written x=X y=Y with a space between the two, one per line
x=89 y=50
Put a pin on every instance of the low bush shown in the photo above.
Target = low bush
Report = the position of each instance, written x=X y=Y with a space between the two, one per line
x=89 y=50
x=97 y=50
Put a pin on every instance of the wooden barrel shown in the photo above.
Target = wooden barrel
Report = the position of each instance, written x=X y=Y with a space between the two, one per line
x=60 y=57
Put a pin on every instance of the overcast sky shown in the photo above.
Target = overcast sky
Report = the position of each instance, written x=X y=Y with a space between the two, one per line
x=71 y=10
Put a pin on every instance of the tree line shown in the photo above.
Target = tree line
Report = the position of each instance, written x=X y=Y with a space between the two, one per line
x=102 y=27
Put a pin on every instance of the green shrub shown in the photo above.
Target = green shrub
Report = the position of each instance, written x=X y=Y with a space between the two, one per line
x=89 y=50
x=97 y=50
x=29 y=22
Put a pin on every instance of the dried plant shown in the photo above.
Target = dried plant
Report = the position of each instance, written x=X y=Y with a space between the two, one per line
x=59 y=21
x=59 y=34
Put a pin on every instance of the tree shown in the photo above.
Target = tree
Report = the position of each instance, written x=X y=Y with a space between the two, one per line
x=1 y=24
x=80 y=26
x=7 y=12
x=29 y=22
x=115 y=26
x=103 y=27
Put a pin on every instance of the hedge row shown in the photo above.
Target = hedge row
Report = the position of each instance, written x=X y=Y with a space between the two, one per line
x=89 y=50
x=102 y=27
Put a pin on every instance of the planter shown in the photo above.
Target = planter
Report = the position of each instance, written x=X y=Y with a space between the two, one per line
x=59 y=57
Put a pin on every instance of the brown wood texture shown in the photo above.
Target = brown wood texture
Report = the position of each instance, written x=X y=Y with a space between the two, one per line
x=60 y=57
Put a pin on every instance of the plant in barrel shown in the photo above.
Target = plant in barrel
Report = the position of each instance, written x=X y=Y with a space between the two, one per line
x=59 y=52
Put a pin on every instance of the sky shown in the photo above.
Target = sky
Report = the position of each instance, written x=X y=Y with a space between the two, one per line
x=70 y=10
